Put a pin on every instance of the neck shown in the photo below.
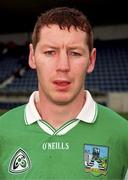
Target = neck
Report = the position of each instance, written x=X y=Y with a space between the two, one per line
x=57 y=115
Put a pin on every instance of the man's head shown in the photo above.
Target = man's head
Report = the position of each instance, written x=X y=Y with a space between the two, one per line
x=64 y=17
x=62 y=53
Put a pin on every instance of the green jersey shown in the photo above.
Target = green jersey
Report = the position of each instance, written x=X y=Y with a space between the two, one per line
x=77 y=150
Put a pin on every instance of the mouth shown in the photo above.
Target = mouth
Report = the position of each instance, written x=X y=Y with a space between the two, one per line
x=61 y=84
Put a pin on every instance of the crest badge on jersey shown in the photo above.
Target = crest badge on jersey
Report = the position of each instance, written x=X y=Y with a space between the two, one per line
x=96 y=159
x=20 y=162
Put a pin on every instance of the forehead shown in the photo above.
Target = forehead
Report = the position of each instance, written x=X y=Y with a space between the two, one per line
x=54 y=34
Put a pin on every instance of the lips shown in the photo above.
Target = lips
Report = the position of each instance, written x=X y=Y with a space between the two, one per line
x=62 y=84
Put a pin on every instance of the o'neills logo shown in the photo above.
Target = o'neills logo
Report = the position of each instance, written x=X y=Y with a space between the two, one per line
x=55 y=146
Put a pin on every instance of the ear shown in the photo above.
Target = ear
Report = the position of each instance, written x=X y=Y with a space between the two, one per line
x=32 y=63
x=92 y=61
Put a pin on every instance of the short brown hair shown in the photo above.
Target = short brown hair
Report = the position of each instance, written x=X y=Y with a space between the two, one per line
x=64 y=17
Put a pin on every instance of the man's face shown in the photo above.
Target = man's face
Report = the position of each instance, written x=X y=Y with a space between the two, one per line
x=62 y=60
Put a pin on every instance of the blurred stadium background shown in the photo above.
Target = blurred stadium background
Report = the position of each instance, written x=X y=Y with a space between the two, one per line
x=109 y=81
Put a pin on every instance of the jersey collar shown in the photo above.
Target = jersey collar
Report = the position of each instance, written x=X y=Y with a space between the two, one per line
x=88 y=113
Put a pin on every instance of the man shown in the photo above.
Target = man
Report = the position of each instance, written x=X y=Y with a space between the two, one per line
x=62 y=133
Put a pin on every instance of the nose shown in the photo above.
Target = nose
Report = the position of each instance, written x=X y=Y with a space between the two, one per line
x=63 y=62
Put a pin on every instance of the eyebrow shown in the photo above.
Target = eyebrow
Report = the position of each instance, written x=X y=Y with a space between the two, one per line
x=76 y=47
x=73 y=47
x=47 y=46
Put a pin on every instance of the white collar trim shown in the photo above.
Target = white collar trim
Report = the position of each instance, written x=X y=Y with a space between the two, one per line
x=88 y=113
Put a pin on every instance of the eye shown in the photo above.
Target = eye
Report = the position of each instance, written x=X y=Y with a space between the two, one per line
x=49 y=52
x=73 y=53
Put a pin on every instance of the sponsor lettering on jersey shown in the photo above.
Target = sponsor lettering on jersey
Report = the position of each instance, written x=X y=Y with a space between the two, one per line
x=55 y=146
x=96 y=159
x=20 y=162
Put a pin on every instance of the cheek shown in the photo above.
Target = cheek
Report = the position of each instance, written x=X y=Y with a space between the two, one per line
x=80 y=68
x=43 y=73
x=80 y=74
x=43 y=67
x=80 y=71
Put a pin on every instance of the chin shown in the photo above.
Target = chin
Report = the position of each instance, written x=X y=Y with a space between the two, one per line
x=62 y=100
x=62 y=103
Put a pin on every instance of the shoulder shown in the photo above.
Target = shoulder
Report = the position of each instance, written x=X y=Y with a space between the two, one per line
x=111 y=117
x=107 y=111
x=13 y=114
